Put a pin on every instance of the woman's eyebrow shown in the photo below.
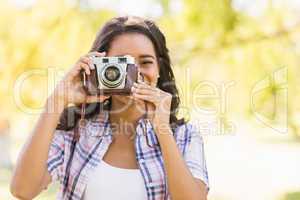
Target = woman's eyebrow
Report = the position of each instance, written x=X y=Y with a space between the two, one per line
x=146 y=56
x=140 y=56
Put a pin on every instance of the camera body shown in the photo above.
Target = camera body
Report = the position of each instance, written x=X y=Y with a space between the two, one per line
x=112 y=75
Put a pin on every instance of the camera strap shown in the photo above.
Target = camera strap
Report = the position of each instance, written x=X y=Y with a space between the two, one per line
x=82 y=121
x=146 y=118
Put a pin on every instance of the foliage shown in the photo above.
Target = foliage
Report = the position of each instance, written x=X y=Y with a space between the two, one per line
x=215 y=41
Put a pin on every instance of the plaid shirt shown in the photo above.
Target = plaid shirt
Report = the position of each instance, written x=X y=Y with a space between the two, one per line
x=71 y=162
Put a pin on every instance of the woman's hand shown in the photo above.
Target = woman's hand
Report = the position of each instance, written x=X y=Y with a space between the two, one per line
x=160 y=103
x=70 y=88
x=27 y=181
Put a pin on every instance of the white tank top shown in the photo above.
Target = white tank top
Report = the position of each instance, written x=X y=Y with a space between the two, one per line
x=114 y=183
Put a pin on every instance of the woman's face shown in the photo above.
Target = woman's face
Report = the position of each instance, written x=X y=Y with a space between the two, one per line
x=141 y=48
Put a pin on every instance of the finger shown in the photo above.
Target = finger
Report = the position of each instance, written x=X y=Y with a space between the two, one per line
x=144 y=86
x=140 y=77
x=94 y=98
x=77 y=69
x=86 y=67
x=151 y=84
x=96 y=53
x=92 y=54
x=91 y=99
x=87 y=60
x=144 y=97
x=102 y=98
x=147 y=91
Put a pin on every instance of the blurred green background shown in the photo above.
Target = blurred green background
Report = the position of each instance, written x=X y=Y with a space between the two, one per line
x=236 y=63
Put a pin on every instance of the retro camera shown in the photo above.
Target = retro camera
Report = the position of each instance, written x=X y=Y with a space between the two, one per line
x=112 y=75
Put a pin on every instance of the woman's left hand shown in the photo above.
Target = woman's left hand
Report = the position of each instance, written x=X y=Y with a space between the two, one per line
x=160 y=103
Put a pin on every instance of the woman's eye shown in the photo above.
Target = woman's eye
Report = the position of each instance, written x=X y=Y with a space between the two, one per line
x=146 y=62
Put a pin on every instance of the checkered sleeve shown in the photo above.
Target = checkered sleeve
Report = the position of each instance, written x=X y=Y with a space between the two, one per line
x=195 y=157
x=55 y=160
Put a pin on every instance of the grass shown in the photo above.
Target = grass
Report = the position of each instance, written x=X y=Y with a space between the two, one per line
x=291 y=196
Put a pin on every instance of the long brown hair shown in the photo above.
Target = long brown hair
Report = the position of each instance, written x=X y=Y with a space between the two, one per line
x=166 y=81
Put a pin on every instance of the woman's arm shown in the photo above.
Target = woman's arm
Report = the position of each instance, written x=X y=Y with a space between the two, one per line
x=30 y=174
x=182 y=184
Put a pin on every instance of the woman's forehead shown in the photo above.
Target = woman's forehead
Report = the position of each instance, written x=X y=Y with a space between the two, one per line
x=134 y=44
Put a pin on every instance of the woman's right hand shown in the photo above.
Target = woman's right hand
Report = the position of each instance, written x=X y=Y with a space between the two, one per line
x=70 y=88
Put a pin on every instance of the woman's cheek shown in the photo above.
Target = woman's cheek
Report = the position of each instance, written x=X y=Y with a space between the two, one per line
x=150 y=75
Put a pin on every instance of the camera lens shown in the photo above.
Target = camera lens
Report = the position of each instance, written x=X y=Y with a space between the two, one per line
x=112 y=73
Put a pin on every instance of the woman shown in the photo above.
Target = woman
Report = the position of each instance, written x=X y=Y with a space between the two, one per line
x=125 y=150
